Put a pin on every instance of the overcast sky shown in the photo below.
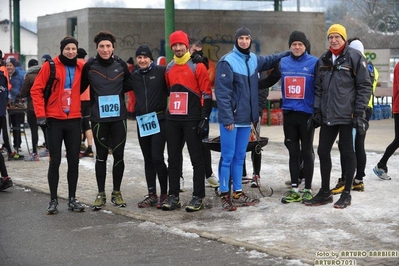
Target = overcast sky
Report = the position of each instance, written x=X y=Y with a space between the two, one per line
x=30 y=10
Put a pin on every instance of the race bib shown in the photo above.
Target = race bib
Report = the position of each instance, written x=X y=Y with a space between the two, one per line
x=148 y=124
x=178 y=103
x=109 y=106
x=66 y=100
x=294 y=87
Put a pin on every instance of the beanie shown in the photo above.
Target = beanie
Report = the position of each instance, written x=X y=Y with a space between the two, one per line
x=66 y=41
x=33 y=62
x=337 y=28
x=12 y=61
x=130 y=61
x=46 y=57
x=178 y=37
x=297 y=36
x=358 y=45
x=144 y=50
x=81 y=53
x=242 y=31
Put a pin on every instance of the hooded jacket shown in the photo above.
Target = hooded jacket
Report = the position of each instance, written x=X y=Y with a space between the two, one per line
x=53 y=108
x=342 y=89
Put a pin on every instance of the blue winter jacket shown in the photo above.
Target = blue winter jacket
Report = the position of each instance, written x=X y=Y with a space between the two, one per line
x=236 y=86
x=303 y=67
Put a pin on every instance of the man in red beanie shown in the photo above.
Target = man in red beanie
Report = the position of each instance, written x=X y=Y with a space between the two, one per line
x=187 y=118
x=342 y=93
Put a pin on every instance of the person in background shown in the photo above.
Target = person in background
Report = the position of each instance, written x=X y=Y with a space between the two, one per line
x=12 y=155
x=131 y=98
x=150 y=89
x=381 y=169
x=197 y=56
x=44 y=153
x=16 y=119
x=187 y=118
x=361 y=156
x=342 y=92
x=33 y=70
x=61 y=114
x=236 y=88
x=107 y=74
x=87 y=133
x=5 y=180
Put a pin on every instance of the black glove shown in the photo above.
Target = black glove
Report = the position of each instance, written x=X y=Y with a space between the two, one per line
x=203 y=128
x=196 y=58
x=316 y=118
x=41 y=121
x=361 y=124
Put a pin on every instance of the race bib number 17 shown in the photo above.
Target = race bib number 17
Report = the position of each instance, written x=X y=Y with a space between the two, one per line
x=178 y=103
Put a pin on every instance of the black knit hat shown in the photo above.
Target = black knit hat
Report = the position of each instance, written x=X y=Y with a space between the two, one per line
x=242 y=31
x=130 y=61
x=144 y=50
x=297 y=36
x=33 y=62
x=81 y=53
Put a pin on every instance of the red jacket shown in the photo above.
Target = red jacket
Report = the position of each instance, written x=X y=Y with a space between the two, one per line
x=53 y=109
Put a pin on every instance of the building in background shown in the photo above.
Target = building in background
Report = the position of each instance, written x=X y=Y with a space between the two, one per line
x=28 y=42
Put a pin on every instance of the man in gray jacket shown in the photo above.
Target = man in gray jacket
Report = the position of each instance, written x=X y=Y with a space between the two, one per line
x=343 y=89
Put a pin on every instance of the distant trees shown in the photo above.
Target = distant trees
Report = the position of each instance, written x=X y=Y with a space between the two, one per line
x=376 y=22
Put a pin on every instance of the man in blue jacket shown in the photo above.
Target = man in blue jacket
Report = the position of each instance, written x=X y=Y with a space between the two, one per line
x=236 y=88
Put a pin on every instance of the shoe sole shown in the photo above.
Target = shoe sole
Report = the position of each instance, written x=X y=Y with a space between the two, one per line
x=193 y=209
x=341 y=206
x=169 y=207
x=76 y=209
x=307 y=203
x=52 y=212
x=210 y=185
x=285 y=201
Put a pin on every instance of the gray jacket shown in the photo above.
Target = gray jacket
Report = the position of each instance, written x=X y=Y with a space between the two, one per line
x=342 y=89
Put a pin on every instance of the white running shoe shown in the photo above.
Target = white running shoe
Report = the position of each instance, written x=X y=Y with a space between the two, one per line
x=212 y=181
x=381 y=173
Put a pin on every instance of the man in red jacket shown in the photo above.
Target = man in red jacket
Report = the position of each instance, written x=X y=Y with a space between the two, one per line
x=61 y=113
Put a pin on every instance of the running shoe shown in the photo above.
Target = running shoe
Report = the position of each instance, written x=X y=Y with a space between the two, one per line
x=149 y=200
x=227 y=204
x=291 y=196
x=240 y=199
x=171 y=203
x=116 y=199
x=75 y=205
x=382 y=172
x=100 y=201
x=195 y=204
x=52 y=207
x=339 y=187
x=212 y=181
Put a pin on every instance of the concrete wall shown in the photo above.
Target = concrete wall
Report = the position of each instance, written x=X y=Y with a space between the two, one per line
x=133 y=27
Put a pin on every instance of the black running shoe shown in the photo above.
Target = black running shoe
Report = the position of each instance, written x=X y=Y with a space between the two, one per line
x=52 y=207
x=171 y=203
x=75 y=205
x=344 y=201
x=195 y=204
x=322 y=198
x=5 y=183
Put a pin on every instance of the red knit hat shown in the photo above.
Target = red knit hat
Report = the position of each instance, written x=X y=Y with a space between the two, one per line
x=178 y=37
